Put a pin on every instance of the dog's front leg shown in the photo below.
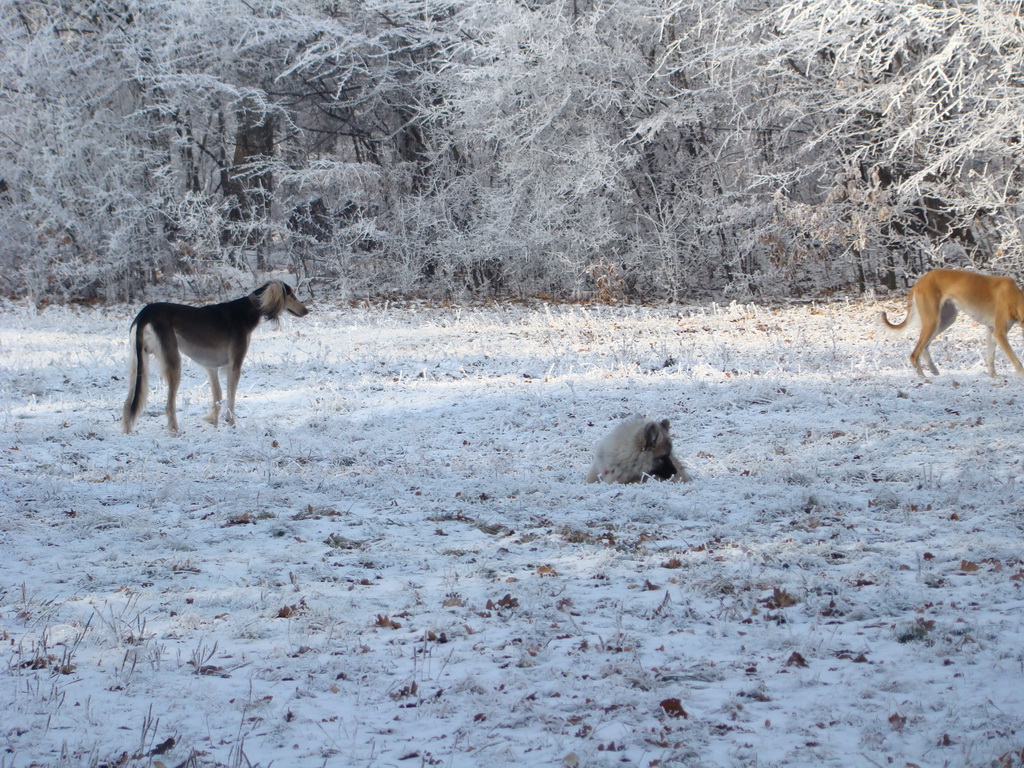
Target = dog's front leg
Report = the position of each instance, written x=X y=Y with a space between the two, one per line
x=216 y=393
x=990 y=353
x=1004 y=344
x=234 y=373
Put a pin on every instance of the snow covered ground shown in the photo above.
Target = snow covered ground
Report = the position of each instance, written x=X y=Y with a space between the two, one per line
x=392 y=559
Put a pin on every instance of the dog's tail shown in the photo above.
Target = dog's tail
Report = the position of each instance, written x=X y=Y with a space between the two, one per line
x=138 y=377
x=911 y=314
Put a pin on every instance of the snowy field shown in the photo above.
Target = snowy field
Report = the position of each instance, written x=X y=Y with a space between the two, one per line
x=392 y=559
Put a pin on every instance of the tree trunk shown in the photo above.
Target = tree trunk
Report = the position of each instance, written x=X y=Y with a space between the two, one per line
x=248 y=182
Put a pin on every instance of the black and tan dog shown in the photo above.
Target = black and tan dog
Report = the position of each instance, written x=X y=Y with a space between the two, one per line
x=637 y=449
x=215 y=336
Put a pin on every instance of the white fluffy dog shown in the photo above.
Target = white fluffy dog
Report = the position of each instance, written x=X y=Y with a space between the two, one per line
x=636 y=450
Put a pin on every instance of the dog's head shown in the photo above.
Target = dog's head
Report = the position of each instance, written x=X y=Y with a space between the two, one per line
x=656 y=438
x=658 y=445
x=276 y=297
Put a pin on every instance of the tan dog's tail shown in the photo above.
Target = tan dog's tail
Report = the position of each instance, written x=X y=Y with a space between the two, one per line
x=138 y=379
x=911 y=314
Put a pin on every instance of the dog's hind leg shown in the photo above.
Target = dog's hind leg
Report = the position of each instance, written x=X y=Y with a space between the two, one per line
x=931 y=327
x=215 y=392
x=171 y=360
x=921 y=353
x=173 y=373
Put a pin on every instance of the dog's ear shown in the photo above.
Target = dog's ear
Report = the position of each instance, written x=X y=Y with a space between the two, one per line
x=271 y=299
x=652 y=433
x=664 y=425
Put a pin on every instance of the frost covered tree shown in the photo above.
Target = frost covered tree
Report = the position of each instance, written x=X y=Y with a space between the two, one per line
x=562 y=160
x=898 y=134
x=528 y=146
x=144 y=138
x=574 y=148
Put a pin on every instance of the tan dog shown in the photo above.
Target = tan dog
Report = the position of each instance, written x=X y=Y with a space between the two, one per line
x=215 y=336
x=637 y=449
x=995 y=302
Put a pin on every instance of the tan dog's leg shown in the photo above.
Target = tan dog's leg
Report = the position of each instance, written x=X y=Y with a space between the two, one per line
x=926 y=311
x=990 y=351
x=935 y=319
x=1002 y=325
